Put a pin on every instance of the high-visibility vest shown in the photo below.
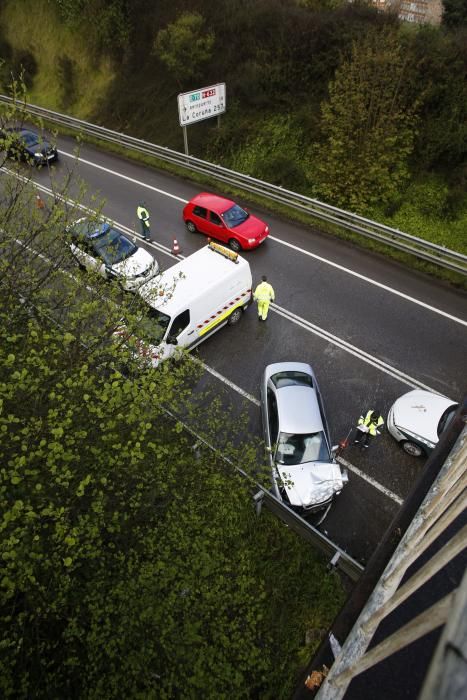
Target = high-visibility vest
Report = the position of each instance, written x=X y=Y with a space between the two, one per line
x=264 y=292
x=142 y=213
x=369 y=423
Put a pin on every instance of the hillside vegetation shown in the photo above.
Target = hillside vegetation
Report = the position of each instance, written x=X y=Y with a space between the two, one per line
x=331 y=99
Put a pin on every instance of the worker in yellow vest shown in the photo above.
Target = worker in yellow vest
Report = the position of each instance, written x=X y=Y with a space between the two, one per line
x=368 y=427
x=143 y=216
x=263 y=294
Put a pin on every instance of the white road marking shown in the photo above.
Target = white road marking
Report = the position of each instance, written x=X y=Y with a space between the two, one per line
x=376 y=484
x=290 y=316
x=352 y=350
x=347 y=270
x=372 y=281
x=347 y=347
x=140 y=183
x=221 y=377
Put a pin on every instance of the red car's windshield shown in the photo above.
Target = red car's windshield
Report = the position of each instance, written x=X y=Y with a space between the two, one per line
x=234 y=216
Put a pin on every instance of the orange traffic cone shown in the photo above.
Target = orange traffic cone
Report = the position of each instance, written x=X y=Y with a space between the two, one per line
x=175 y=247
x=39 y=202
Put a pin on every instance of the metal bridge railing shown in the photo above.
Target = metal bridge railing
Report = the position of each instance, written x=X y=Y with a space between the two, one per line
x=431 y=252
x=436 y=536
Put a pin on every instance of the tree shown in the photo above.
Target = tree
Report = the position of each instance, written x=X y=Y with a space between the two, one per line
x=441 y=67
x=105 y=23
x=183 y=47
x=454 y=13
x=132 y=564
x=368 y=127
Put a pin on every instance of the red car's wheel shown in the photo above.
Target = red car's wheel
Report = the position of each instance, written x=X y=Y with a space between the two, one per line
x=235 y=245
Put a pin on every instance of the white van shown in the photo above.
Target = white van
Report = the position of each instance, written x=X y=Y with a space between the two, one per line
x=193 y=299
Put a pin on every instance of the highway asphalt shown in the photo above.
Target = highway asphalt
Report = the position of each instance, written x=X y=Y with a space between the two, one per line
x=371 y=328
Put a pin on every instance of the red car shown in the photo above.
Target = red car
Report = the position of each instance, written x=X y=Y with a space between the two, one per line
x=221 y=218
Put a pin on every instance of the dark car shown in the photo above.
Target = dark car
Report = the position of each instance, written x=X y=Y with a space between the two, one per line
x=27 y=145
x=224 y=220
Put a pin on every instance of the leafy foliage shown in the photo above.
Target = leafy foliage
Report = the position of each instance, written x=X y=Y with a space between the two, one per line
x=441 y=70
x=454 y=13
x=106 y=20
x=277 y=57
x=368 y=127
x=276 y=154
x=183 y=46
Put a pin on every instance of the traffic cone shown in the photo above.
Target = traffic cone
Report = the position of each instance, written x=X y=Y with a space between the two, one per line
x=175 y=248
x=39 y=202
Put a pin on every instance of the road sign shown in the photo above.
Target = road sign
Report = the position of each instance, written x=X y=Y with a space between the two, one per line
x=201 y=104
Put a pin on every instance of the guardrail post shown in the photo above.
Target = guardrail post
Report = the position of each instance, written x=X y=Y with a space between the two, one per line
x=258 y=499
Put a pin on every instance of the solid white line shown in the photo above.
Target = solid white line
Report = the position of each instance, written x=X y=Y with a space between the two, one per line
x=376 y=484
x=371 y=281
x=352 y=350
x=290 y=316
x=153 y=244
x=124 y=177
x=347 y=270
x=221 y=377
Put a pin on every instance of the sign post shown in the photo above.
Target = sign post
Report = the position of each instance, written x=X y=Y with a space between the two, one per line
x=200 y=104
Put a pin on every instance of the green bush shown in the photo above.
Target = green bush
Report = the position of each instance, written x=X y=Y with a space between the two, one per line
x=183 y=47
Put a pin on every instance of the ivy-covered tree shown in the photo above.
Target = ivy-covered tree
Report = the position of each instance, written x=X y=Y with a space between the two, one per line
x=133 y=565
x=368 y=126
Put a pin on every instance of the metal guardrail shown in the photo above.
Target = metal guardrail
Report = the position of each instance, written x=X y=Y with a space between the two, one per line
x=425 y=250
x=338 y=558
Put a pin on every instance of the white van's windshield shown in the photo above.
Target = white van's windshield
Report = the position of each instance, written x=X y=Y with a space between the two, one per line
x=152 y=327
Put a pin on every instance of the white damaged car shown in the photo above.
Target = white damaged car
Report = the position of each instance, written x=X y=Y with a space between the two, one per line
x=101 y=247
x=417 y=419
x=305 y=474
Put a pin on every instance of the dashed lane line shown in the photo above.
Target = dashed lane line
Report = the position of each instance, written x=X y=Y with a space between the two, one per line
x=302 y=251
x=375 y=283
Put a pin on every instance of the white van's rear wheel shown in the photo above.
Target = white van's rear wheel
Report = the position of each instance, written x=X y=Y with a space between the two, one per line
x=235 y=317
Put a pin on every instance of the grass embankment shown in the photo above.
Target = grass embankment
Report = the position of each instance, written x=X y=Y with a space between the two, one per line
x=60 y=72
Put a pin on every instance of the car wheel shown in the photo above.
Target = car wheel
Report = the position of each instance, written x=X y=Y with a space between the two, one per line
x=235 y=317
x=412 y=448
x=235 y=245
x=190 y=226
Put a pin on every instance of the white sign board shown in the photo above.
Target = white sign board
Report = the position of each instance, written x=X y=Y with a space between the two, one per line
x=201 y=104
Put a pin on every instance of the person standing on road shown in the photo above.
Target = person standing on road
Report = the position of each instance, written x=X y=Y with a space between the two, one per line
x=263 y=294
x=368 y=428
x=143 y=216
